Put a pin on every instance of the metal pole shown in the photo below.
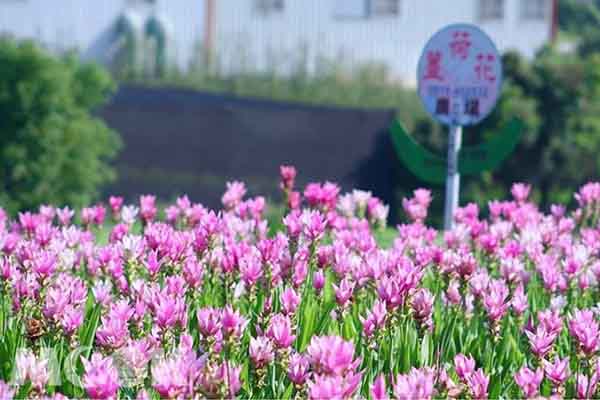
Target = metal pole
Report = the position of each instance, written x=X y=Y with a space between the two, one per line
x=453 y=177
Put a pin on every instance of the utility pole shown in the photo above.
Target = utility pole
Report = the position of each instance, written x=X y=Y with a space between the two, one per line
x=210 y=21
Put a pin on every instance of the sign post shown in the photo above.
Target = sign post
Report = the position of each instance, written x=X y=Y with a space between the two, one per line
x=460 y=78
x=453 y=175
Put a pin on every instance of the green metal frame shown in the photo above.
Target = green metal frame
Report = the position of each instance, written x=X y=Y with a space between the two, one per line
x=431 y=168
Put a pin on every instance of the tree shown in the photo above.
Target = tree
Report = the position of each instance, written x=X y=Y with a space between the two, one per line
x=52 y=150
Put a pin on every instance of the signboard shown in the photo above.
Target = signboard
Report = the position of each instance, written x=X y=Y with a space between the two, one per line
x=460 y=75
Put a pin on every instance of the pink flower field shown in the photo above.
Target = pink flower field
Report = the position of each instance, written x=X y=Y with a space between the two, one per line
x=137 y=302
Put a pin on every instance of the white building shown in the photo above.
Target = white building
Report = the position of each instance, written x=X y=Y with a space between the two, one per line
x=279 y=33
x=102 y=29
x=272 y=34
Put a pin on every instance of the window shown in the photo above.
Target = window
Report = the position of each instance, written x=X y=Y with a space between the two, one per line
x=491 y=10
x=350 y=9
x=384 y=8
x=142 y=2
x=366 y=8
x=266 y=7
x=535 y=9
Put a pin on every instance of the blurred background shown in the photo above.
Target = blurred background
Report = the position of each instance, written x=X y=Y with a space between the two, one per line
x=179 y=96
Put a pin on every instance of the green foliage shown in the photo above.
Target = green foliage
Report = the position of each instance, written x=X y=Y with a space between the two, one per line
x=576 y=16
x=51 y=149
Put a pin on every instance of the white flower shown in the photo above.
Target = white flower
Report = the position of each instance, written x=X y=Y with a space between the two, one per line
x=558 y=302
x=361 y=198
x=129 y=214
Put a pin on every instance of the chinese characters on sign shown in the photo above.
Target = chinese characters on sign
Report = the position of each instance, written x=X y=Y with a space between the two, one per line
x=460 y=44
x=460 y=75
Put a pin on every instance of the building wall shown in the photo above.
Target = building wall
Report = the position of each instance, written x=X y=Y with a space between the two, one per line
x=59 y=24
x=280 y=40
x=88 y=26
x=245 y=39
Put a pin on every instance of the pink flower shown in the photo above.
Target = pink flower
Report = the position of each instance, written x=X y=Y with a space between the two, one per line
x=558 y=371
x=391 y=291
x=478 y=383
x=280 y=331
x=584 y=328
x=334 y=387
x=422 y=197
x=464 y=366
x=300 y=272
x=261 y=351
x=378 y=390
x=588 y=193
x=153 y=264
x=378 y=212
x=137 y=355
x=101 y=380
x=233 y=322
x=230 y=376
x=318 y=281
x=143 y=395
x=115 y=202
x=417 y=384
x=193 y=272
x=326 y=387
x=541 y=341
x=289 y=300
x=298 y=369
x=551 y=321
x=288 y=176
x=250 y=269
x=118 y=232
x=422 y=305
x=520 y=192
x=6 y=393
x=331 y=354
x=99 y=214
x=586 y=387
x=31 y=368
x=64 y=215
x=172 y=214
x=479 y=282
x=529 y=381
x=415 y=211
x=494 y=300
x=71 y=319
x=368 y=324
x=113 y=331
x=44 y=264
x=519 y=300
x=209 y=321
x=148 y=208
x=101 y=292
x=169 y=311
x=29 y=221
x=172 y=376
x=233 y=195
x=379 y=313
x=293 y=224
x=294 y=200
x=453 y=292
x=313 y=225
x=343 y=293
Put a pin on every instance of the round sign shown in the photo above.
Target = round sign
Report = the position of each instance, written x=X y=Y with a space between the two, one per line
x=460 y=75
